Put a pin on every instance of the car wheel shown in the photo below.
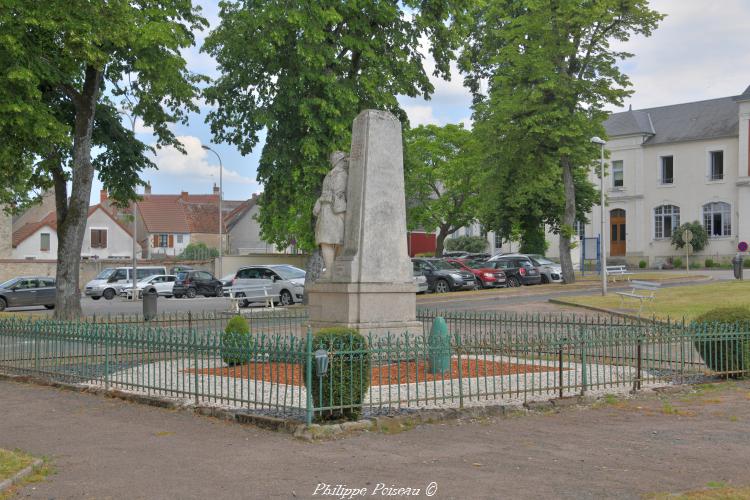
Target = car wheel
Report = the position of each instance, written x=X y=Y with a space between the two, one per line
x=95 y=298
x=178 y=296
x=442 y=286
x=545 y=279
x=50 y=306
x=167 y=296
x=3 y=304
x=286 y=298
x=109 y=294
x=514 y=282
x=218 y=291
x=191 y=293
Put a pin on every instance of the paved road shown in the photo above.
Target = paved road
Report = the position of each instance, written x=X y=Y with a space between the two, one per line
x=106 y=448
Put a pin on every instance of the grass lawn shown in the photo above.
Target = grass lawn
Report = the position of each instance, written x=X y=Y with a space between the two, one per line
x=12 y=462
x=678 y=302
x=643 y=275
x=714 y=491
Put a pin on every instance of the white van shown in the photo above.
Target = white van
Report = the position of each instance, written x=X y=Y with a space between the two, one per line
x=111 y=281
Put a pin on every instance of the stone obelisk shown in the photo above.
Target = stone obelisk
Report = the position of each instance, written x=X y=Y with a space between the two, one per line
x=372 y=286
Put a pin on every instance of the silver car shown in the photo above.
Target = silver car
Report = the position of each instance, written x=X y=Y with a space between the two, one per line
x=551 y=271
x=26 y=291
x=286 y=281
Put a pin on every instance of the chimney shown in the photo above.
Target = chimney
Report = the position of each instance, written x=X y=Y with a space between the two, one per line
x=216 y=189
x=103 y=196
x=147 y=188
x=184 y=195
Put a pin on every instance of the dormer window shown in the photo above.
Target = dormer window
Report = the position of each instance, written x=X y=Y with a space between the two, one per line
x=666 y=172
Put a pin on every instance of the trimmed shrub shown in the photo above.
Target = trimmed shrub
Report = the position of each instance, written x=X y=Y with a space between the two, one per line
x=709 y=263
x=746 y=263
x=348 y=376
x=677 y=262
x=236 y=342
x=722 y=348
x=642 y=264
x=473 y=244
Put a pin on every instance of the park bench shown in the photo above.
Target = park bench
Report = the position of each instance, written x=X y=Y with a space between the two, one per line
x=261 y=292
x=640 y=290
x=616 y=271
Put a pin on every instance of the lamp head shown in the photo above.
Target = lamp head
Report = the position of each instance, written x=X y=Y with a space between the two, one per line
x=321 y=362
x=598 y=140
x=205 y=147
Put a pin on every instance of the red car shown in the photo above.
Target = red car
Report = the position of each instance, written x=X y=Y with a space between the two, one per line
x=487 y=277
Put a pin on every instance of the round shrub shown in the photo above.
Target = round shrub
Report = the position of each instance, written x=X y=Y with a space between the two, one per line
x=236 y=342
x=709 y=263
x=642 y=264
x=348 y=376
x=721 y=342
x=677 y=262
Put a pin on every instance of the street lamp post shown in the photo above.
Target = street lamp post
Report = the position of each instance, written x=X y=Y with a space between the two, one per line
x=134 y=296
x=603 y=244
x=221 y=213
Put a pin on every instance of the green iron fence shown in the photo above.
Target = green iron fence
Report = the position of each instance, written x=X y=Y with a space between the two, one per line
x=487 y=358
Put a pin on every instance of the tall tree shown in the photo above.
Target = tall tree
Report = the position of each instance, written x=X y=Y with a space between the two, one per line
x=64 y=63
x=441 y=174
x=303 y=71
x=549 y=70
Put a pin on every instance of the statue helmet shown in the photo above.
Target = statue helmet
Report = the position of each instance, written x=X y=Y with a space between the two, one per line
x=338 y=156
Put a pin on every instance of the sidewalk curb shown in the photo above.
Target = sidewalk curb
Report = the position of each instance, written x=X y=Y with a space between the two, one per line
x=18 y=476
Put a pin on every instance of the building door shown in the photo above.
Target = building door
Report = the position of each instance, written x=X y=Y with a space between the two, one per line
x=617 y=232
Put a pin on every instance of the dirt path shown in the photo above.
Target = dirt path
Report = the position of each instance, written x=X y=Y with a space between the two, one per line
x=106 y=448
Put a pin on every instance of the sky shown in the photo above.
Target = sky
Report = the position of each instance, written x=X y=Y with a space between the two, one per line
x=700 y=51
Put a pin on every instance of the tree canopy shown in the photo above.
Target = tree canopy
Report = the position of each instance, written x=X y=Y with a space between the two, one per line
x=65 y=65
x=302 y=71
x=541 y=73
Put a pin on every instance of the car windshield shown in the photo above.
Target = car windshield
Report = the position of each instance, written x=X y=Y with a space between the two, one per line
x=443 y=265
x=182 y=275
x=289 y=272
x=9 y=283
x=541 y=261
x=105 y=274
x=477 y=264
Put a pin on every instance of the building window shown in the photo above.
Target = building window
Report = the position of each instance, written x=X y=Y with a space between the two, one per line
x=716 y=165
x=717 y=219
x=667 y=170
x=98 y=238
x=618 y=179
x=163 y=241
x=44 y=242
x=666 y=220
x=580 y=228
x=498 y=240
x=179 y=238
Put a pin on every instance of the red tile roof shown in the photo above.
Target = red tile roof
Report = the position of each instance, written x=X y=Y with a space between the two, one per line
x=184 y=213
x=50 y=220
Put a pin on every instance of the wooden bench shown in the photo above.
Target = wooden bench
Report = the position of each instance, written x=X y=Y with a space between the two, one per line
x=640 y=290
x=616 y=271
x=261 y=292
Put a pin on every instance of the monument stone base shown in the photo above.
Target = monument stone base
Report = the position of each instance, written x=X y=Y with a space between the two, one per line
x=364 y=306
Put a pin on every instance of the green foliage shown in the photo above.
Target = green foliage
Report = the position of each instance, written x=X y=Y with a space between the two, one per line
x=709 y=263
x=472 y=244
x=533 y=236
x=700 y=236
x=303 y=71
x=550 y=71
x=440 y=172
x=348 y=376
x=720 y=349
x=198 y=251
x=677 y=262
x=236 y=342
x=642 y=264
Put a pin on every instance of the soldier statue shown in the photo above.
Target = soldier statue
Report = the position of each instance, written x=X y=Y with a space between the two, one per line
x=329 y=211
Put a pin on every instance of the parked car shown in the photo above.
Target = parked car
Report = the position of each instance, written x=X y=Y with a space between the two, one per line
x=443 y=276
x=420 y=280
x=487 y=277
x=192 y=283
x=110 y=282
x=226 y=280
x=456 y=254
x=286 y=281
x=162 y=284
x=26 y=291
x=551 y=271
x=519 y=270
x=478 y=256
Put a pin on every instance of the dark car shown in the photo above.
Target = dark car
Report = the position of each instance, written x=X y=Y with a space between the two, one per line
x=28 y=291
x=443 y=276
x=487 y=277
x=192 y=283
x=518 y=269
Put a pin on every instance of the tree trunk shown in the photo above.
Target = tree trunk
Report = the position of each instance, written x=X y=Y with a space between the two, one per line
x=72 y=214
x=569 y=219
x=440 y=241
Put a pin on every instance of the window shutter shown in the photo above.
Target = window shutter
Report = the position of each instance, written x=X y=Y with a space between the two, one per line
x=94 y=238
x=156 y=240
x=103 y=238
x=171 y=241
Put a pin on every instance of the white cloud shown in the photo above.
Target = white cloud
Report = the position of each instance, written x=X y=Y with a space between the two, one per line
x=421 y=115
x=196 y=164
x=468 y=123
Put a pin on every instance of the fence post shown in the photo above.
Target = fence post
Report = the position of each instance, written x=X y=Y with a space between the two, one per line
x=106 y=359
x=560 y=367
x=584 y=374
x=460 y=370
x=637 y=384
x=195 y=367
x=37 y=338
x=308 y=377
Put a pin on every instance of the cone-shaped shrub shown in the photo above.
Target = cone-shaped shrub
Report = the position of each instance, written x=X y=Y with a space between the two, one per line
x=236 y=342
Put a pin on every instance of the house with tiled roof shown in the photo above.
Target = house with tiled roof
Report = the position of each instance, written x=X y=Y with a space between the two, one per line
x=105 y=237
x=674 y=164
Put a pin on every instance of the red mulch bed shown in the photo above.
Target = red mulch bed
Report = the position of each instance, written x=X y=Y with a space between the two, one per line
x=405 y=372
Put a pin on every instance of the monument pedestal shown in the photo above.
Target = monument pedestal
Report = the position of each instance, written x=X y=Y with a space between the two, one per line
x=367 y=307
